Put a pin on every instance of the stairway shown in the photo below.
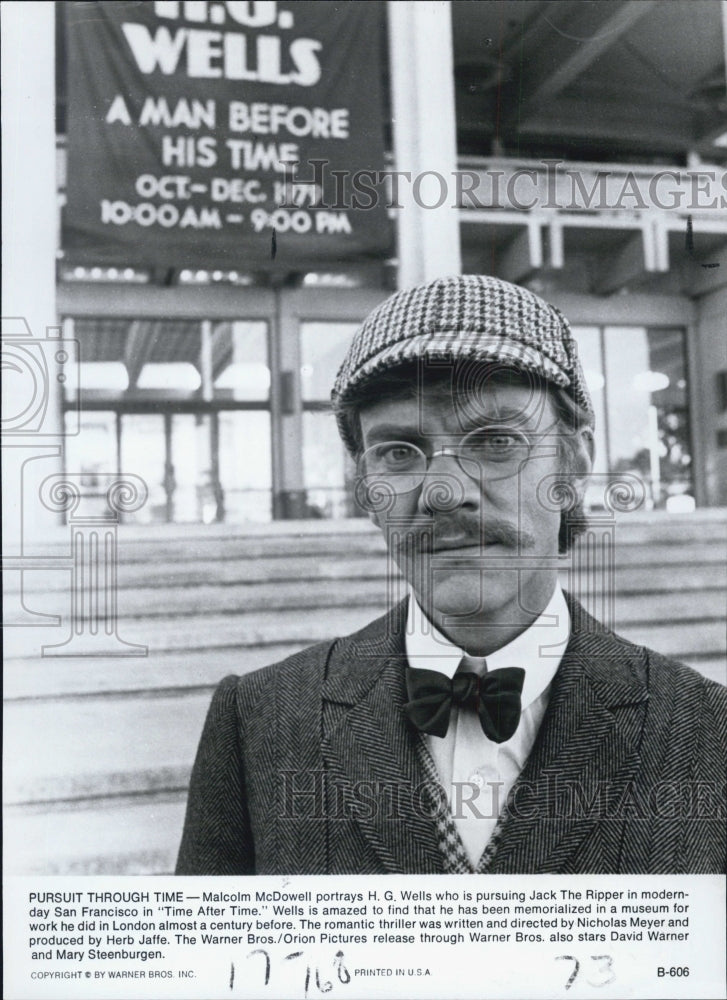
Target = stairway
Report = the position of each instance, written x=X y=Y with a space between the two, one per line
x=98 y=749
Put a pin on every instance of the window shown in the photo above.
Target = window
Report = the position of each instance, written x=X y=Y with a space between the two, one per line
x=185 y=404
x=328 y=471
x=638 y=379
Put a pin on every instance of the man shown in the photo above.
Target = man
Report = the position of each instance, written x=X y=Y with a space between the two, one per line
x=487 y=723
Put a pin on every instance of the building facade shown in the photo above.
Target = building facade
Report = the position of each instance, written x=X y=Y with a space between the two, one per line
x=570 y=161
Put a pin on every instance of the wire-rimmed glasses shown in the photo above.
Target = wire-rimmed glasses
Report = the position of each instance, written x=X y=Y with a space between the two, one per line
x=492 y=452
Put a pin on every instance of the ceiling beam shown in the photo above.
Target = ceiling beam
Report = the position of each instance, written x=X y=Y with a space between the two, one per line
x=710 y=129
x=640 y=93
x=139 y=342
x=522 y=255
x=507 y=58
x=573 y=46
x=610 y=121
x=221 y=348
x=625 y=268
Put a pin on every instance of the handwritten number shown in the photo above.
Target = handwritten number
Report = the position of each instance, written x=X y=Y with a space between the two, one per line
x=344 y=976
x=576 y=967
x=606 y=969
x=261 y=951
x=324 y=987
x=297 y=954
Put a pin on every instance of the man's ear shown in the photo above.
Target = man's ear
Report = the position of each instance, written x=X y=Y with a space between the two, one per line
x=586 y=452
x=583 y=454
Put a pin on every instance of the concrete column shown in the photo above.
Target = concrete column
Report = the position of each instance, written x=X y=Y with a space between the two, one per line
x=29 y=163
x=208 y=428
x=425 y=142
x=33 y=365
x=289 y=498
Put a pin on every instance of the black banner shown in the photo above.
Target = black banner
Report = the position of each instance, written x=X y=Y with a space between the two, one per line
x=224 y=134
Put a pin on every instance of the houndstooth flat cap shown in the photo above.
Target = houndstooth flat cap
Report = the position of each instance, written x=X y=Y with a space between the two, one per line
x=473 y=318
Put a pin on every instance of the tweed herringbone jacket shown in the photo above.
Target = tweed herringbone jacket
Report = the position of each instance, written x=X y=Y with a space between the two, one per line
x=309 y=766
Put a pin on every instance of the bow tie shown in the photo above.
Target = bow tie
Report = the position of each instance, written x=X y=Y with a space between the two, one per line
x=495 y=697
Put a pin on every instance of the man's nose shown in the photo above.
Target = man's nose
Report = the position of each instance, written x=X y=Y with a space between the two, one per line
x=446 y=486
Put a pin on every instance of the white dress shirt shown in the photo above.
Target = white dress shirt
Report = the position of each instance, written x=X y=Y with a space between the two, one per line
x=476 y=773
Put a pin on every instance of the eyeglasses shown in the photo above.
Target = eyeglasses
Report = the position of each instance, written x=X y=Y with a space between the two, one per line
x=495 y=452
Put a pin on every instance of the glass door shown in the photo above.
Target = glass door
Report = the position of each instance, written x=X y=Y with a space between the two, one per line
x=183 y=404
x=245 y=465
x=328 y=470
x=638 y=380
x=143 y=453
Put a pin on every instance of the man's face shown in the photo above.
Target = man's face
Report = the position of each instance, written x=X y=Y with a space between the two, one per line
x=473 y=539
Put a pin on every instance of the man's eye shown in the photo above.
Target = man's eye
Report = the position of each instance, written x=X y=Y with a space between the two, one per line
x=501 y=441
x=497 y=445
x=397 y=455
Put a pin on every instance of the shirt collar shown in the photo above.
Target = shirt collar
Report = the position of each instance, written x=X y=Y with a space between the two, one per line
x=538 y=650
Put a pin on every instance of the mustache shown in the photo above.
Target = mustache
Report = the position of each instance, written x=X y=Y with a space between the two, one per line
x=438 y=535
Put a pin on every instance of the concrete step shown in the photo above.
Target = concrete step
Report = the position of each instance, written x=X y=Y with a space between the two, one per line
x=179 y=543
x=139 y=745
x=158 y=674
x=269 y=627
x=181 y=670
x=120 y=836
x=226 y=570
x=152 y=605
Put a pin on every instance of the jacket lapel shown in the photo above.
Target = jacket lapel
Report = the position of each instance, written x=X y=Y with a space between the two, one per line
x=584 y=760
x=368 y=747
